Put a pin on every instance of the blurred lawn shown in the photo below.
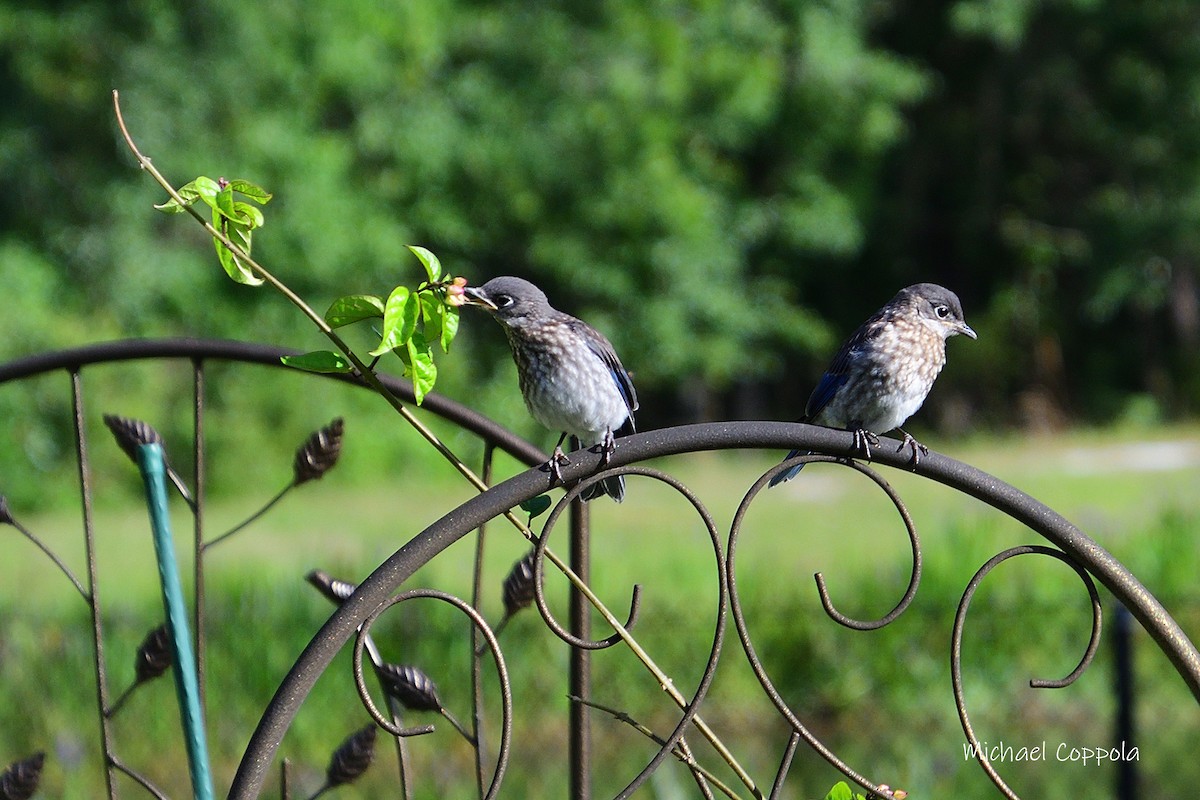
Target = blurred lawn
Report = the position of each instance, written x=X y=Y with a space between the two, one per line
x=882 y=700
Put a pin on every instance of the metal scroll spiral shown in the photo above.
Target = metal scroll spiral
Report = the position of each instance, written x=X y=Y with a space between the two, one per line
x=960 y=619
x=502 y=673
x=706 y=678
x=798 y=727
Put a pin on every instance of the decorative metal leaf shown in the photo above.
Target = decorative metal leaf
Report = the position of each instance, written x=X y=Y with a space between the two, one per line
x=335 y=590
x=352 y=758
x=319 y=453
x=6 y=517
x=411 y=686
x=154 y=655
x=131 y=434
x=518 y=586
x=20 y=780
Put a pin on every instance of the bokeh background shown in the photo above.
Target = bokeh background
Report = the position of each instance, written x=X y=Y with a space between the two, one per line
x=726 y=189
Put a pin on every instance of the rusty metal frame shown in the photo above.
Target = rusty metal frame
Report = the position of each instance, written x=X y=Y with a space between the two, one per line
x=1068 y=544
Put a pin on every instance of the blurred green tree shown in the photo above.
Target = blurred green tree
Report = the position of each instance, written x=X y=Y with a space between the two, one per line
x=725 y=188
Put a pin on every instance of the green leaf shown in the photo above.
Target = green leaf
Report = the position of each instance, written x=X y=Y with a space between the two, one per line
x=190 y=192
x=535 y=506
x=353 y=308
x=421 y=369
x=433 y=312
x=433 y=267
x=248 y=214
x=840 y=791
x=449 y=327
x=207 y=190
x=223 y=203
x=393 y=321
x=251 y=190
x=318 y=361
x=170 y=207
x=234 y=267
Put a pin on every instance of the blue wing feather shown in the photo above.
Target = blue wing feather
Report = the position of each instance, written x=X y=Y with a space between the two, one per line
x=599 y=345
x=838 y=372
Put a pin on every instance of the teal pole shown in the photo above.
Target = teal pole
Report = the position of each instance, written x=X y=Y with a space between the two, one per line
x=187 y=685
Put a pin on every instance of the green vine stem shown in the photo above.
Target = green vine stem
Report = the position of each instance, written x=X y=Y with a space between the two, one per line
x=368 y=376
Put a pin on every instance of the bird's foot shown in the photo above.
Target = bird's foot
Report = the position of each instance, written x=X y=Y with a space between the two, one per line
x=606 y=447
x=913 y=445
x=864 y=440
x=556 y=462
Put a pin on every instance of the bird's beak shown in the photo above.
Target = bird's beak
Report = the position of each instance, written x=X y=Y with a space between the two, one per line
x=963 y=328
x=475 y=297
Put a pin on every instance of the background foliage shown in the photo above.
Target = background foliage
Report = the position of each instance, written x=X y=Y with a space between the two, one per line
x=725 y=188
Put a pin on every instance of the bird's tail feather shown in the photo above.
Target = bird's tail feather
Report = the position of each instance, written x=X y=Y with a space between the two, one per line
x=614 y=487
x=788 y=474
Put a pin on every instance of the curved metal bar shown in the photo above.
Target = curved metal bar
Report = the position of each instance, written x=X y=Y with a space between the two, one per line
x=914 y=541
x=673 y=441
x=710 y=669
x=760 y=671
x=505 y=685
x=960 y=619
x=539 y=575
x=268 y=356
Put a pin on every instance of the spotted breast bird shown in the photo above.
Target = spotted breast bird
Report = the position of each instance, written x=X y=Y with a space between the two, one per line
x=884 y=371
x=570 y=376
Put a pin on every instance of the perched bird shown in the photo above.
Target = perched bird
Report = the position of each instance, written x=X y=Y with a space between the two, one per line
x=570 y=376
x=884 y=371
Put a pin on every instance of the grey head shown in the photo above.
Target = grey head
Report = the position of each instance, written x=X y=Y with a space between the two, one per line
x=510 y=300
x=937 y=305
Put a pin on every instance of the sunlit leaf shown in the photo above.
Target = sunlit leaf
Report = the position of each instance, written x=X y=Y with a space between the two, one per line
x=353 y=308
x=433 y=312
x=190 y=192
x=223 y=203
x=234 y=267
x=248 y=214
x=449 y=327
x=169 y=207
x=433 y=267
x=840 y=791
x=251 y=190
x=393 y=321
x=318 y=361
x=422 y=371
x=207 y=190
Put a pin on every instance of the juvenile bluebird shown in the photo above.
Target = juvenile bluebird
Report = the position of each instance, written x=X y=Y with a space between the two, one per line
x=570 y=376
x=884 y=371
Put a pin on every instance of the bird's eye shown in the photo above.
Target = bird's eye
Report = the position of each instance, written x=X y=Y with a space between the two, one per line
x=942 y=311
x=503 y=301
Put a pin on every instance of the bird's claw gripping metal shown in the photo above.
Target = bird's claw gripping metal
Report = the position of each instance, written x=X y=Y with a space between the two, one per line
x=554 y=465
x=606 y=448
x=916 y=447
x=864 y=440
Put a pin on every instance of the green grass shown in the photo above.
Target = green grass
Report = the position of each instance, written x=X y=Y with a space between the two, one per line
x=881 y=700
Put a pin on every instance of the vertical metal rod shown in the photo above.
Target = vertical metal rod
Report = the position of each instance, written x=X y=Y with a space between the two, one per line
x=476 y=654
x=89 y=539
x=198 y=529
x=580 y=678
x=1125 y=733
